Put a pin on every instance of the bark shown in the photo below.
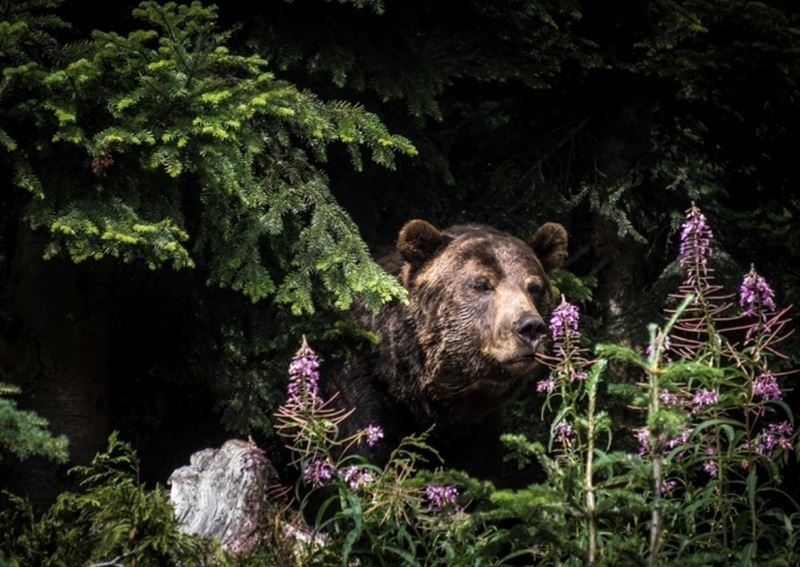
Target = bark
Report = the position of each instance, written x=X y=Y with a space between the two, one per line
x=224 y=493
x=620 y=281
x=622 y=259
x=57 y=354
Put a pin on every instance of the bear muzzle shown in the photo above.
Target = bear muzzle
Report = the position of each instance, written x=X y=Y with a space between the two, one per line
x=516 y=348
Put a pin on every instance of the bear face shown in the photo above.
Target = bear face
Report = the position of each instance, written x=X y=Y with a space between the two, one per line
x=478 y=298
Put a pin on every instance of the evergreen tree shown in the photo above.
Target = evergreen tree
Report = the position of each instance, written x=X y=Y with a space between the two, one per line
x=166 y=147
x=23 y=433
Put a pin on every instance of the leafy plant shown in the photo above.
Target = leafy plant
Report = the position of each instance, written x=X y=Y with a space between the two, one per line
x=704 y=486
x=361 y=512
x=111 y=519
x=24 y=433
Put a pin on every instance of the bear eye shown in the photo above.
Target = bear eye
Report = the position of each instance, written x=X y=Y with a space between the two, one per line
x=482 y=284
x=535 y=289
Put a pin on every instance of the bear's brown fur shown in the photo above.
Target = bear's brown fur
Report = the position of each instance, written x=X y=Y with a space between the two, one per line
x=464 y=343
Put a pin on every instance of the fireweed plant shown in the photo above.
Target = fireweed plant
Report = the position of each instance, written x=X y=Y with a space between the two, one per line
x=364 y=514
x=718 y=429
x=704 y=486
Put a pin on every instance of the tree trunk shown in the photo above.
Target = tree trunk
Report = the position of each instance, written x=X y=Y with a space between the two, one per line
x=620 y=281
x=57 y=354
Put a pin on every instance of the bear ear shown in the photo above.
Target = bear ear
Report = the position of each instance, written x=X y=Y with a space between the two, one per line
x=418 y=241
x=550 y=245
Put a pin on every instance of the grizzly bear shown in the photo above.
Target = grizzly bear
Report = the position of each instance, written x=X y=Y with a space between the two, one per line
x=462 y=346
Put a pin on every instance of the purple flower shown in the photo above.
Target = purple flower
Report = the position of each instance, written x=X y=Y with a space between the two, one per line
x=766 y=387
x=755 y=294
x=564 y=321
x=374 y=434
x=710 y=466
x=668 y=486
x=696 y=237
x=703 y=398
x=357 y=477
x=254 y=459
x=578 y=375
x=643 y=437
x=668 y=398
x=545 y=385
x=440 y=497
x=563 y=431
x=318 y=472
x=777 y=435
x=665 y=346
x=304 y=374
x=681 y=439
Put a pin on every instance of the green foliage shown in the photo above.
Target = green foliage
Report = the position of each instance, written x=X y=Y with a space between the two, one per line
x=168 y=121
x=26 y=40
x=24 y=433
x=112 y=518
x=578 y=288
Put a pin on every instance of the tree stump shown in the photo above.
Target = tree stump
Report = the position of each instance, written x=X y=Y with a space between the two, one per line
x=223 y=493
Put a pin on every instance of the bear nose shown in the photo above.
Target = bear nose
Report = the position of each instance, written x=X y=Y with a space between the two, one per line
x=529 y=327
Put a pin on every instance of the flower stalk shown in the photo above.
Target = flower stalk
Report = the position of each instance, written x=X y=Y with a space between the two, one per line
x=591 y=434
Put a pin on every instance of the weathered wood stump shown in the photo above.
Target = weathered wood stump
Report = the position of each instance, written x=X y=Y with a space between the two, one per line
x=224 y=492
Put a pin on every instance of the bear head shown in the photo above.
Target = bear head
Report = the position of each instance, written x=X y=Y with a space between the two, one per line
x=478 y=300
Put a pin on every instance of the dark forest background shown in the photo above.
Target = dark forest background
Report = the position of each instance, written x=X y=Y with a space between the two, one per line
x=179 y=205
